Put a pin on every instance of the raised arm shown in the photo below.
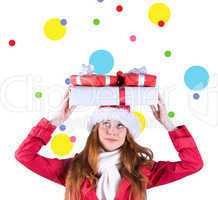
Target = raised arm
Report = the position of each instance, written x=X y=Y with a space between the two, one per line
x=164 y=172
x=27 y=153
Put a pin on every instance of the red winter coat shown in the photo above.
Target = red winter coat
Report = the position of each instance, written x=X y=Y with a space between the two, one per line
x=162 y=172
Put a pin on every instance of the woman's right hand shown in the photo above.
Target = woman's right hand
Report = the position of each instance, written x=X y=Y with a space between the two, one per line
x=64 y=112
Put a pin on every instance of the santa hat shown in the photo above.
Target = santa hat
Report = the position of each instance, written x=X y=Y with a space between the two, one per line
x=114 y=112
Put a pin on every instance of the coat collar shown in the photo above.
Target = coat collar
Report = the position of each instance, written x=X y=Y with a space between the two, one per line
x=122 y=188
x=123 y=185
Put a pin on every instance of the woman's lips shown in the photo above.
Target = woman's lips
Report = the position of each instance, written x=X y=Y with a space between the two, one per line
x=110 y=140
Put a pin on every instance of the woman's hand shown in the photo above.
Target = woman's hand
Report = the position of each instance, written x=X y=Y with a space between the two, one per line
x=161 y=115
x=64 y=112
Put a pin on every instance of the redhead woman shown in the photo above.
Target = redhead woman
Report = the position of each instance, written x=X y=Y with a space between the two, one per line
x=112 y=165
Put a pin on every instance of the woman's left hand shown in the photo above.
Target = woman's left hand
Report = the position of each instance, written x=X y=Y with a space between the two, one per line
x=160 y=114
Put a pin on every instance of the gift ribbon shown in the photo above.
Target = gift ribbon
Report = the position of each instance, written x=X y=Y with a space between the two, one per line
x=107 y=80
x=122 y=77
x=122 y=96
x=87 y=70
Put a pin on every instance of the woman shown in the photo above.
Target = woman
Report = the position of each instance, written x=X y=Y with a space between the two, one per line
x=111 y=165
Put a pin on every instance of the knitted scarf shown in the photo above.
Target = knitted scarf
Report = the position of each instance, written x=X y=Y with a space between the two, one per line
x=110 y=176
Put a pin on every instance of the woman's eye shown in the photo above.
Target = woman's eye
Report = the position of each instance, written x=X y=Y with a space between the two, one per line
x=120 y=125
x=106 y=123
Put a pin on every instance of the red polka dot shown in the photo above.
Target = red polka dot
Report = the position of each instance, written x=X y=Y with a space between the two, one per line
x=11 y=43
x=161 y=23
x=119 y=8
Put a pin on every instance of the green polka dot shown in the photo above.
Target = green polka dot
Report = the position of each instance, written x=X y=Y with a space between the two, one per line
x=171 y=114
x=38 y=94
x=96 y=21
x=167 y=53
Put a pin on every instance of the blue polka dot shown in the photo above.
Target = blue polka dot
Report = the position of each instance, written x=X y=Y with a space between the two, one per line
x=102 y=61
x=196 y=78
x=196 y=96
x=67 y=81
x=62 y=127
x=63 y=22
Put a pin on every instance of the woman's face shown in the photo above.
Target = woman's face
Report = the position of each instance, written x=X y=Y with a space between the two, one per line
x=112 y=134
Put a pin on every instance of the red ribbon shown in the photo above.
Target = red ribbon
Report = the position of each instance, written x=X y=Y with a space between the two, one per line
x=121 y=79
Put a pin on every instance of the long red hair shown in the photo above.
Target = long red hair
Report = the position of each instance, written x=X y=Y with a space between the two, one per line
x=84 y=165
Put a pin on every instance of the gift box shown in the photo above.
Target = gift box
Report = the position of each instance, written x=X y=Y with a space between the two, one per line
x=128 y=79
x=96 y=96
x=93 y=80
x=133 y=79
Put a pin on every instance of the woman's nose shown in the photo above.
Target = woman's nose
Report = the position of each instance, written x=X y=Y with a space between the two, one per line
x=112 y=130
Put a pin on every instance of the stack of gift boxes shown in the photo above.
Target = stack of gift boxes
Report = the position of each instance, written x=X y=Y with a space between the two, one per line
x=120 y=89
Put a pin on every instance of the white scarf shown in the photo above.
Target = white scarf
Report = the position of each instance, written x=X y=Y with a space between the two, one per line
x=110 y=176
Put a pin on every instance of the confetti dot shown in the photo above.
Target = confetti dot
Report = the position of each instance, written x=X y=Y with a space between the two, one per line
x=63 y=22
x=132 y=38
x=62 y=127
x=67 y=81
x=161 y=23
x=73 y=139
x=54 y=30
x=12 y=43
x=167 y=53
x=171 y=114
x=38 y=94
x=142 y=120
x=119 y=8
x=96 y=21
x=159 y=14
x=196 y=78
x=196 y=96
x=102 y=61
x=61 y=144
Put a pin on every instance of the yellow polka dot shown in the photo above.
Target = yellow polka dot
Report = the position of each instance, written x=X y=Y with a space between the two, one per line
x=61 y=144
x=54 y=30
x=159 y=12
x=142 y=120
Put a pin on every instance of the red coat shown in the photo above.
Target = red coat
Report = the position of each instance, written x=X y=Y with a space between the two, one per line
x=163 y=172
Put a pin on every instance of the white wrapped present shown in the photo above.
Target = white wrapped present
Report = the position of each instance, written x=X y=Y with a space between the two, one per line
x=96 y=96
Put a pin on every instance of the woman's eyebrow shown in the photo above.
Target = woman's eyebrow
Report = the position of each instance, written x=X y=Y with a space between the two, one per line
x=108 y=120
x=103 y=121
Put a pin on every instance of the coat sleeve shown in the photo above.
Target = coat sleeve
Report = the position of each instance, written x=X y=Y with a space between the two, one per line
x=27 y=154
x=164 y=172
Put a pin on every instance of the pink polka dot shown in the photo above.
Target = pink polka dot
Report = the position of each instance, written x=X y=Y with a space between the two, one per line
x=132 y=38
x=72 y=138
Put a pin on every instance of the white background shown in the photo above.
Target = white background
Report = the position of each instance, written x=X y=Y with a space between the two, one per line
x=36 y=63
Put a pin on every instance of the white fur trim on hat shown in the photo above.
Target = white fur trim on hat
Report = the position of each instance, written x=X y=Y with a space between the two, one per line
x=128 y=119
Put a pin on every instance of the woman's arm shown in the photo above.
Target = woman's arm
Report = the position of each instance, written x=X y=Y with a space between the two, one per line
x=164 y=172
x=27 y=153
